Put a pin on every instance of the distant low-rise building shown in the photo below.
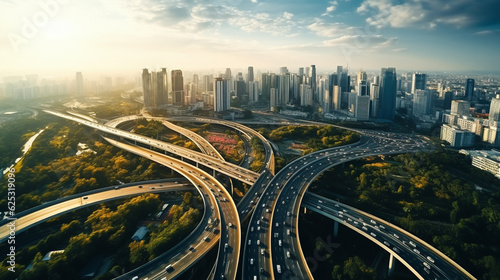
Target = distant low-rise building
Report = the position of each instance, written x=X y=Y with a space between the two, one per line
x=457 y=137
x=485 y=160
x=140 y=233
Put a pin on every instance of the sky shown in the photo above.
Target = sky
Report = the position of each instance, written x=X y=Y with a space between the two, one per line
x=53 y=37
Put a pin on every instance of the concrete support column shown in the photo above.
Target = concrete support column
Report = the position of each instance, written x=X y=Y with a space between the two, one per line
x=392 y=264
x=336 y=229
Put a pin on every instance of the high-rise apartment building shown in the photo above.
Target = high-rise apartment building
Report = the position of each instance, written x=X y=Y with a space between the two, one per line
x=422 y=102
x=177 y=87
x=460 y=107
x=494 y=115
x=146 y=89
x=222 y=97
x=418 y=81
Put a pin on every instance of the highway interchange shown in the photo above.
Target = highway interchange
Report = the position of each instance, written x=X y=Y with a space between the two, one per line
x=272 y=244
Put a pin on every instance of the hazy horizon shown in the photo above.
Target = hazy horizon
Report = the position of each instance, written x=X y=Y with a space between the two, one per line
x=116 y=37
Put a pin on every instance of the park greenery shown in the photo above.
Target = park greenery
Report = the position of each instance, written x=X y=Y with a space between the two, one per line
x=437 y=196
x=106 y=233
x=315 y=137
x=157 y=130
x=52 y=168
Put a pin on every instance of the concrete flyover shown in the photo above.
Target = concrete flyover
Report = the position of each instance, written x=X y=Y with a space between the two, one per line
x=30 y=219
x=306 y=169
x=214 y=190
x=229 y=169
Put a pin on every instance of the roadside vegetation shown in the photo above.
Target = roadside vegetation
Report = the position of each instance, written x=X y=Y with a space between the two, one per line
x=437 y=196
x=52 y=168
x=106 y=234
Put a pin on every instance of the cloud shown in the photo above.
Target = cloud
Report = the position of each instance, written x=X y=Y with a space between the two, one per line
x=430 y=13
x=200 y=15
x=331 y=8
x=328 y=29
x=264 y=22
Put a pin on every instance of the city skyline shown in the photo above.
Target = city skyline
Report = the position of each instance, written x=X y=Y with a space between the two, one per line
x=53 y=37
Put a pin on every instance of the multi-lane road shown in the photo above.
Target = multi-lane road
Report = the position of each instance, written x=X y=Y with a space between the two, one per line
x=27 y=221
x=272 y=245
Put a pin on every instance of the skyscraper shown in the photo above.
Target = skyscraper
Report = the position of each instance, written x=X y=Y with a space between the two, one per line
x=422 y=102
x=79 y=84
x=146 y=89
x=418 y=81
x=313 y=80
x=469 y=90
x=161 y=94
x=362 y=88
x=361 y=77
x=266 y=86
x=253 y=91
x=177 y=87
x=461 y=107
x=374 y=99
x=495 y=109
x=250 y=74
x=387 y=94
x=222 y=96
x=306 y=96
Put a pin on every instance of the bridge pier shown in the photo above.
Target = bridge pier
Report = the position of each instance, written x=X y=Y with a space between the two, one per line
x=336 y=229
x=392 y=264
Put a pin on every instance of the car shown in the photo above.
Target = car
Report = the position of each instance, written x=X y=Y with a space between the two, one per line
x=230 y=225
x=267 y=210
x=427 y=265
x=262 y=251
x=288 y=254
x=396 y=250
x=251 y=229
x=373 y=234
x=169 y=268
x=280 y=243
x=278 y=268
x=251 y=261
x=287 y=232
x=430 y=259
x=261 y=270
x=153 y=188
x=191 y=248
x=288 y=214
x=140 y=187
x=249 y=242
x=135 y=278
x=222 y=276
x=117 y=187
x=258 y=242
x=226 y=245
x=258 y=228
x=85 y=197
x=277 y=224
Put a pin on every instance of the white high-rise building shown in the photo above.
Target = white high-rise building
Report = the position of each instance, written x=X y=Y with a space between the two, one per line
x=222 y=97
x=422 y=102
x=306 y=95
x=253 y=91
